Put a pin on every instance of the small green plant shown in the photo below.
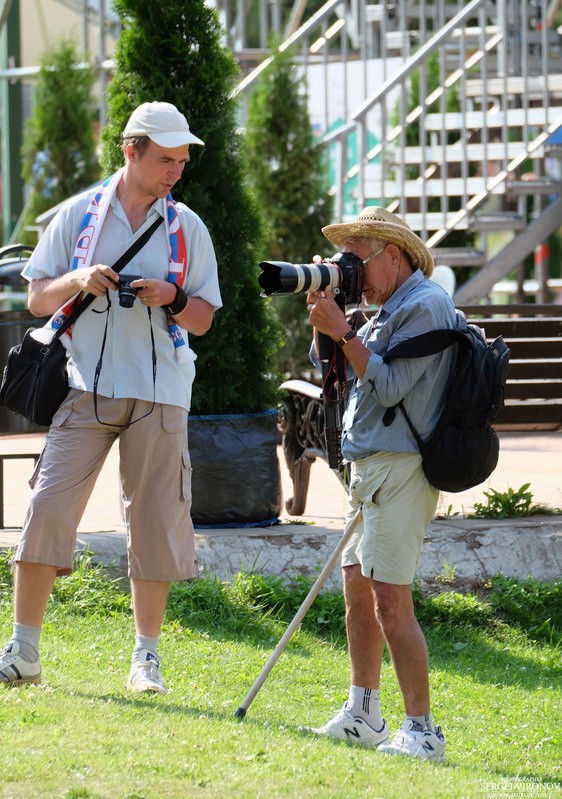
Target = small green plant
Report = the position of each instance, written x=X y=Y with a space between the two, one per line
x=506 y=504
x=449 y=574
x=448 y=513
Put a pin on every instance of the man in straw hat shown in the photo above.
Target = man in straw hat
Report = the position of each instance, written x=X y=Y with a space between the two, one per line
x=387 y=483
x=141 y=395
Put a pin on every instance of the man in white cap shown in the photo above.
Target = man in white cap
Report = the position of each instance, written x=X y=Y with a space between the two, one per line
x=130 y=372
x=388 y=488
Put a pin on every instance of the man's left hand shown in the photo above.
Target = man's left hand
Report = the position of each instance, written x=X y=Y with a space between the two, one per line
x=154 y=293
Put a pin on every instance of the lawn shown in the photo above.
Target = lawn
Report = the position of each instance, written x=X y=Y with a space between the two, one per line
x=496 y=682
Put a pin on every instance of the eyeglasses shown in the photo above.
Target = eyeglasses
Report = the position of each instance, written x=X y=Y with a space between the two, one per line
x=366 y=260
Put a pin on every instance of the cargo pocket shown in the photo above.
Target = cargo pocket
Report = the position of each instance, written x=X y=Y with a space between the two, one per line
x=174 y=419
x=186 y=477
x=62 y=415
x=367 y=490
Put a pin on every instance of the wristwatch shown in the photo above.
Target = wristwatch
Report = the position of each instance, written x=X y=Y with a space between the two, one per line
x=344 y=339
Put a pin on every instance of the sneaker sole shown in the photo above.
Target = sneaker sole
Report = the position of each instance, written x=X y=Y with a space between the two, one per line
x=348 y=740
x=146 y=689
x=437 y=759
x=34 y=680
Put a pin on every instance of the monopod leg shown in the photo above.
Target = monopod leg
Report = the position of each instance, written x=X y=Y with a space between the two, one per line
x=299 y=616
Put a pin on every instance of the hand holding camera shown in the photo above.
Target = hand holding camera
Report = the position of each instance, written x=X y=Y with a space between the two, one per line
x=151 y=293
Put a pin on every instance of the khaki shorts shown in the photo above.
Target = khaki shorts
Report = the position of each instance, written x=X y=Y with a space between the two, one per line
x=155 y=477
x=398 y=505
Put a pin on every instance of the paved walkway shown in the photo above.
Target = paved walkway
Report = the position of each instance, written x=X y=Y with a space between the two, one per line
x=534 y=458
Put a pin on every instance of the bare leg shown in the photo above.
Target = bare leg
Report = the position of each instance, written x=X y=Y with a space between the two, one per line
x=149 y=605
x=364 y=634
x=408 y=648
x=34 y=583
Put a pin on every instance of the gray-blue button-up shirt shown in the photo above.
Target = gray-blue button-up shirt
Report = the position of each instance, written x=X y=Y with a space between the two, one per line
x=417 y=306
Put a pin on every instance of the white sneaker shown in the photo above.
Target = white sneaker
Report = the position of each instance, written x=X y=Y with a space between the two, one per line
x=14 y=670
x=414 y=741
x=352 y=728
x=145 y=674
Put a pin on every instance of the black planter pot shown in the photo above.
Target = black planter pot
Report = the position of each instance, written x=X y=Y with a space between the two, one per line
x=236 y=479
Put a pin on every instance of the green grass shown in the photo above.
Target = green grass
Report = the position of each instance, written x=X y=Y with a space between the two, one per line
x=496 y=682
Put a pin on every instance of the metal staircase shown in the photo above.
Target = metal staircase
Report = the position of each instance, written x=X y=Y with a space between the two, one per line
x=441 y=111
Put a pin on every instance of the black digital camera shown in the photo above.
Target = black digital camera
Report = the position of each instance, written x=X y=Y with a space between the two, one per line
x=343 y=272
x=125 y=291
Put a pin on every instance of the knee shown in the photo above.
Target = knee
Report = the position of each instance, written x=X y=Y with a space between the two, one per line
x=392 y=607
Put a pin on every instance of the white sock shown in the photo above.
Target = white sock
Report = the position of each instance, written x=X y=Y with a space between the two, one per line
x=28 y=639
x=145 y=642
x=425 y=722
x=366 y=703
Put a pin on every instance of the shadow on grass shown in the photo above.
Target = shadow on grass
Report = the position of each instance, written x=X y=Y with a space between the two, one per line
x=466 y=634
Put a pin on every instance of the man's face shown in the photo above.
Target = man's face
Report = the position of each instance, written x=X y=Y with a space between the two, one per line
x=157 y=169
x=380 y=271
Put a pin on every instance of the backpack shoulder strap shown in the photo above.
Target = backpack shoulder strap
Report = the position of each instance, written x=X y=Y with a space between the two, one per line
x=429 y=343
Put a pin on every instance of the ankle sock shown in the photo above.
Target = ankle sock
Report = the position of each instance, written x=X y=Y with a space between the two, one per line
x=145 y=642
x=366 y=703
x=28 y=639
x=425 y=722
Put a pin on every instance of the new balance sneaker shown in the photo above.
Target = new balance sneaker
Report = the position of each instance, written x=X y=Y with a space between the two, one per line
x=352 y=728
x=145 y=674
x=14 y=670
x=415 y=741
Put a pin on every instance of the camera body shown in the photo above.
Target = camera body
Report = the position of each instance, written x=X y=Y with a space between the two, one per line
x=125 y=292
x=343 y=272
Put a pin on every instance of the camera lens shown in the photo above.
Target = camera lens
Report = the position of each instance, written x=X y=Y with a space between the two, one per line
x=125 y=292
x=126 y=296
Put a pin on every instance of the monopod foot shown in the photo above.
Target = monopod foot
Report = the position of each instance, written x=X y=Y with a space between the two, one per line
x=240 y=713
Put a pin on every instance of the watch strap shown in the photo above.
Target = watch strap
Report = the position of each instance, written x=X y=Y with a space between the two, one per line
x=341 y=342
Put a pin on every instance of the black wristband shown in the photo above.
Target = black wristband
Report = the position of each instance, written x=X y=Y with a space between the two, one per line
x=179 y=302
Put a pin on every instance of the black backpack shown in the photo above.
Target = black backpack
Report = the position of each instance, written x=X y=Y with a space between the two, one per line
x=463 y=449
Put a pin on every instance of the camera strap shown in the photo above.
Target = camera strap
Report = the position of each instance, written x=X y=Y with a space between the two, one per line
x=100 y=362
x=120 y=264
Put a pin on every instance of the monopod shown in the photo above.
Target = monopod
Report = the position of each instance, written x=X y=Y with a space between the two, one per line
x=299 y=616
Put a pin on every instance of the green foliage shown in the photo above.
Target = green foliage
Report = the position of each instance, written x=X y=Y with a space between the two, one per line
x=530 y=605
x=506 y=504
x=59 y=150
x=79 y=734
x=171 y=51
x=289 y=177
x=90 y=589
x=252 y=603
x=452 y=609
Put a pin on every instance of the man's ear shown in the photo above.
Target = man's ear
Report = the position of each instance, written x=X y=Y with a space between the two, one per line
x=395 y=252
x=130 y=153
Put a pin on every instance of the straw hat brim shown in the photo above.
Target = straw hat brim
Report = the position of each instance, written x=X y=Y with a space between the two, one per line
x=387 y=232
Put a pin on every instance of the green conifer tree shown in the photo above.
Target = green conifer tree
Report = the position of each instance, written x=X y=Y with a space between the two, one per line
x=171 y=51
x=288 y=176
x=59 y=150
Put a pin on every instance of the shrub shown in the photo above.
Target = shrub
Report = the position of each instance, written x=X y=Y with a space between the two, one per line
x=170 y=50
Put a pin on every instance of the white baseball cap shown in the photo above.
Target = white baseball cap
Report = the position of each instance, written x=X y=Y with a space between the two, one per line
x=161 y=122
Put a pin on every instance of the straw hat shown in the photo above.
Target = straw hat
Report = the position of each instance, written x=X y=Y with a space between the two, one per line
x=377 y=223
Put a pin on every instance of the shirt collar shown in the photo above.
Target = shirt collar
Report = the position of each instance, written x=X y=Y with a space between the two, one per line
x=397 y=298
